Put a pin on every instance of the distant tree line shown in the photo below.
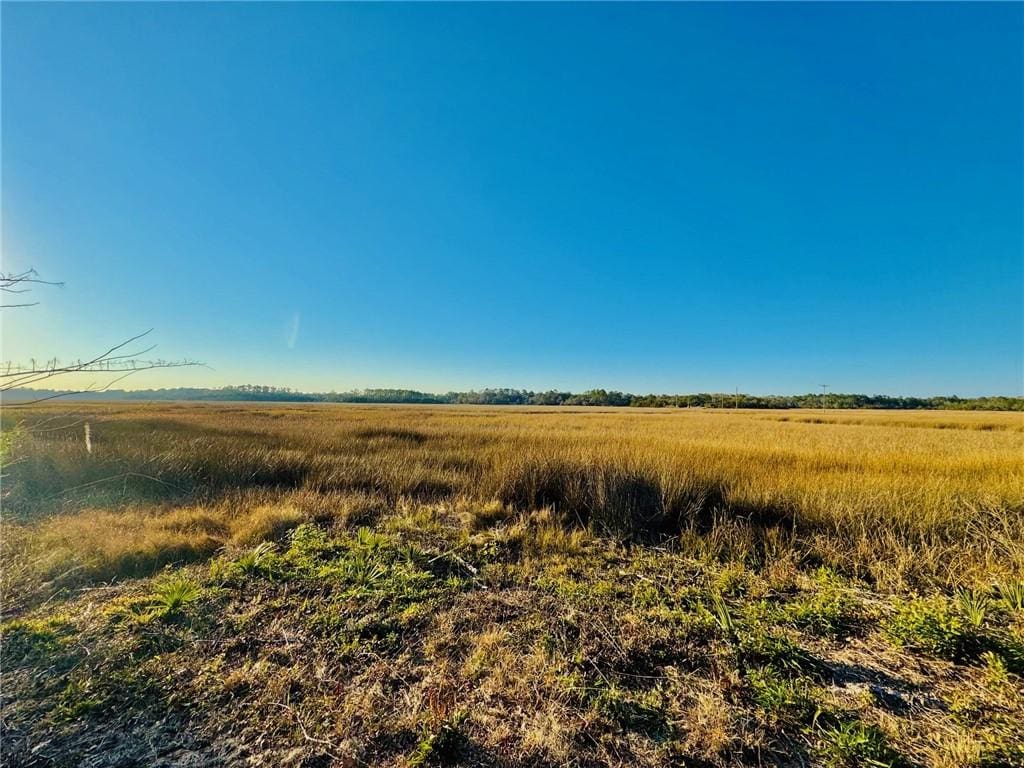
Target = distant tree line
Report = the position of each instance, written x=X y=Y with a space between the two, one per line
x=504 y=396
x=831 y=400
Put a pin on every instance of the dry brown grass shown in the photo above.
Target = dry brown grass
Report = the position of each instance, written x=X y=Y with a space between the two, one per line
x=460 y=632
x=441 y=585
x=897 y=497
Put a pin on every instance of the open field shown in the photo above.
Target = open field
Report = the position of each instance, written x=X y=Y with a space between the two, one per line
x=413 y=585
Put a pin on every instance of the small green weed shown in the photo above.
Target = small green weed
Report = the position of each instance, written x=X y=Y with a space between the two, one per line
x=973 y=606
x=173 y=596
x=723 y=616
x=784 y=699
x=170 y=598
x=765 y=648
x=440 y=746
x=855 y=744
x=826 y=612
x=78 y=699
x=257 y=561
x=360 y=570
x=1011 y=595
x=932 y=626
x=28 y=641
x=368 y=540
x=733 y=579
x=997 y=675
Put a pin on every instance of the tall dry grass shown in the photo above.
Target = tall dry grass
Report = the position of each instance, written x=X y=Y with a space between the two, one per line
x=894 y=497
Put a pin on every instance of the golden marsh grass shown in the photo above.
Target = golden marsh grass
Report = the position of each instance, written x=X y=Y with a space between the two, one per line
x=895 y=496
x=401 y=586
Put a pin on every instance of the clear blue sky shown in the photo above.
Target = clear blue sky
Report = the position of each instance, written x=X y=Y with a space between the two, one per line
x=663 y=198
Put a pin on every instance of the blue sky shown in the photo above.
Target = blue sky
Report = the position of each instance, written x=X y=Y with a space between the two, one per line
x=649 y=197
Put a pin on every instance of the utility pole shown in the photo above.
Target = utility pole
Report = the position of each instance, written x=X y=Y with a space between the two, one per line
x=737 y=406
x=824 y=393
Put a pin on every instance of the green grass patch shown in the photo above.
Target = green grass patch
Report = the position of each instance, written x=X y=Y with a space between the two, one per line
x=784 y=699
x=33 y=641
x=855 y=744
x=932 y=625
x=826 y=611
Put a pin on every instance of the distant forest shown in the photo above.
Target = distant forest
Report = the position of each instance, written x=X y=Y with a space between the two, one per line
x=599 y=397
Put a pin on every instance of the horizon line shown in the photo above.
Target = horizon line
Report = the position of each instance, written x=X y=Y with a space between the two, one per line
x=283 y=390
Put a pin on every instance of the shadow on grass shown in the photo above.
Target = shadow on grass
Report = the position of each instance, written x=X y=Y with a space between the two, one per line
x=637 y=504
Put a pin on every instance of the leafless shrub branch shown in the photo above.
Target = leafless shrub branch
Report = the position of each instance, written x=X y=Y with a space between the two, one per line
x=121 y=359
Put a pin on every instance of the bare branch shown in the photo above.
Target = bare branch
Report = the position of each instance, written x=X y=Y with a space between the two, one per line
x=106 y=362
x=118 y=359
x=126 y=372
x=11 y=282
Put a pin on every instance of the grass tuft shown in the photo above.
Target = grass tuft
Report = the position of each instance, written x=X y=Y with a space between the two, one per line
x=855 y=744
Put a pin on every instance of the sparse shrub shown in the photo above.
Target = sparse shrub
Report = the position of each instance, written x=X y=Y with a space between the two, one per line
x=540 y=534
x=387 y=434
x=194 y=522
x=956 y=750
x=487 y=647
x=710 y=728
x=621 y=498
x=354 y=509
x=10 y=435
x=489 y=514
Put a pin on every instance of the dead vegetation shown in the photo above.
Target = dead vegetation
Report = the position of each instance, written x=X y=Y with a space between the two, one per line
x=429 y=586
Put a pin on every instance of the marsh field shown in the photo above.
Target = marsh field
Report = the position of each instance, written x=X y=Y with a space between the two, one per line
x=319 y=585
